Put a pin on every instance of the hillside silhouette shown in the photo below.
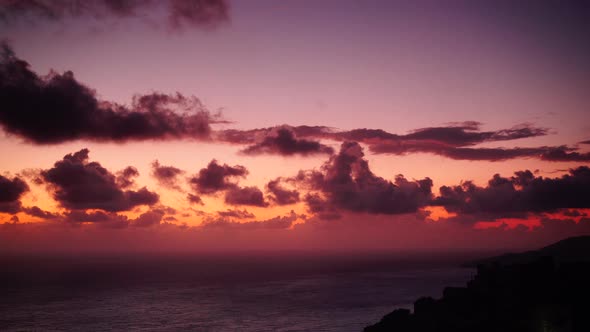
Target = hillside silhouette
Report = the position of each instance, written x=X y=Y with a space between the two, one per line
x=542 y=290
x=573 y=249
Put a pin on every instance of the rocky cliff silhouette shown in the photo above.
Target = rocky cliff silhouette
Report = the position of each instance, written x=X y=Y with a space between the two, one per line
x=537 y=291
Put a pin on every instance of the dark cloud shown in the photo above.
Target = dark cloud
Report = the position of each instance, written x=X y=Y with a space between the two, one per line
x=10 y=207
x=283 y=142
x=277 y=223
x=35 y=211
x=148 y=219
x=522 y=193
x=454 y=135
x=280 y=195
x=245 y=196
x=81 y=216
x=315 y=203
x=216 y=177
x=320 y=207
x=166 y=209
x=455 y=141
x=10 y=194
x=103 y=219
x=194 y=199
x=242 y=137
x=152 y=217
x=347 y=183
x=585 y=142
x=563 y=153
x=574 y=213
x=79 y=185
x=468 y=133
x=364 y=135
x=33 y=175
x=198 y=13
x=167 y=176
x=237 y=214
x=125 y=177
x=60 y=9
x=489 y=154
x=181 y=13
x=57 y=108
x=560 y=153
x=252 y=136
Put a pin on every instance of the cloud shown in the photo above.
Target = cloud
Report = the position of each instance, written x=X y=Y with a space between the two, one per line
x=181 y=13
x=35 y=211
x=282 y=141
x=354 y=231
x=80 y=216
x=237 y=214
x=109 y=220
x=468 y=133
x=79 y=185
x=152 y=217
x=347 y=183
x=167 y=176
x=32 y=174
x=253 y=136
x=489 y=154
x=10 y=194
x=125 y=177
x=456 y=141
x=276 y=223
x=563 y=153
x=546 y=153
x=320 y=207
x=245 y=196
x=585 y=142
x=216 y=177
x=280 y=195
x=194 y=199
x=574 y=213
x=521 y=193
x=454 y=135
x=57 y=108
x=59 y=9
x=198 y=13
x=148 y=219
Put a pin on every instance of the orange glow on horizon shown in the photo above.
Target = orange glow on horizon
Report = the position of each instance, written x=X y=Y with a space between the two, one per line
x=509 y=223
x=436 y=213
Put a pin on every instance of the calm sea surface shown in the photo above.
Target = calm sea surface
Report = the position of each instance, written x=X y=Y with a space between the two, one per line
x=246 y=292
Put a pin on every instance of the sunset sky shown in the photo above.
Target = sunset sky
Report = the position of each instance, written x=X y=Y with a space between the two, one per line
x=243 y=125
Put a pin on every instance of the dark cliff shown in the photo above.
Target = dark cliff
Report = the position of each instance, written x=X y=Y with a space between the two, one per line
x=544 y=290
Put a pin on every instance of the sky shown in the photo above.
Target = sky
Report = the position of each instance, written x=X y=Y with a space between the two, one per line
x=203 y=125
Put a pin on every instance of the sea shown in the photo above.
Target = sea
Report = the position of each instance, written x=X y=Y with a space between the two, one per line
x=253 y=291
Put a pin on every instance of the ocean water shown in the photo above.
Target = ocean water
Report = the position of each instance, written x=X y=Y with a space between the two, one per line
x=245 y=292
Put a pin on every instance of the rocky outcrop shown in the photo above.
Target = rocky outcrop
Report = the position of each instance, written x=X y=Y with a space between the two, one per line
x=541 y=295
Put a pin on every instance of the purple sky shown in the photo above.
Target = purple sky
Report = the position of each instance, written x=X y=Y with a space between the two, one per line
x=395 y=66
